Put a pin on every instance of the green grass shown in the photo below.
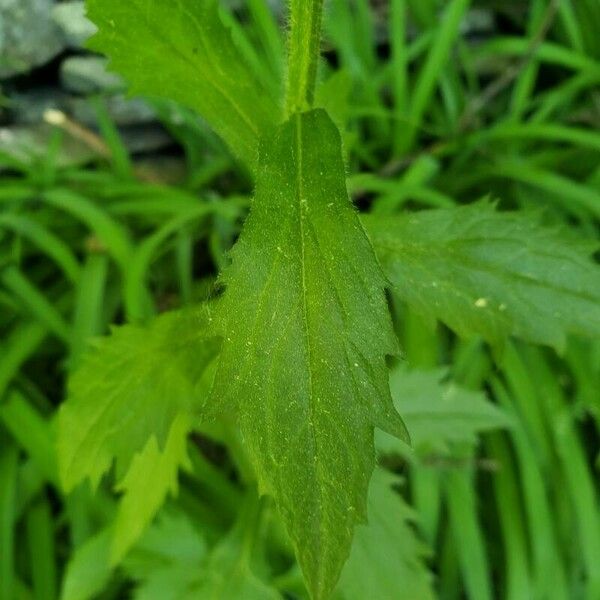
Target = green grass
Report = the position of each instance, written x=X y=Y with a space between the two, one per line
x=442 y=121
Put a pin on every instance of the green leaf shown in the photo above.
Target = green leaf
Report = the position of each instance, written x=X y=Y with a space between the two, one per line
x=306 y=330
x=171 y=562
x=181 y=50
x=130 y=388
x=151 y=476
x=88 y=570
x=438 y=413
x=167 y=562
x=229 y=572
x=490 y=273
x=387 y=558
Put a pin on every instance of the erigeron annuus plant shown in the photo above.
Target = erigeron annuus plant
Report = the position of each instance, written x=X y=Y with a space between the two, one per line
x=291 y=359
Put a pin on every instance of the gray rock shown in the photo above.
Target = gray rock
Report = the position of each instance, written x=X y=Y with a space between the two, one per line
x=122 y=110
x=29 y=107
x=477 y=21
x=71 y=20
x=145 y=139
x=278 y=7
x=88 y=75
x=27 y=143
x=28 y=36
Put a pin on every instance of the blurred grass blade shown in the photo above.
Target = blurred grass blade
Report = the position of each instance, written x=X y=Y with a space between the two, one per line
x=34 y=301
x=8 y=483
x=42 y=553
x=32 y=432
x=49 y=243
x=429 y=75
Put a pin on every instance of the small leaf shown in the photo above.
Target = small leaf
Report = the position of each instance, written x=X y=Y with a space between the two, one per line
x=130 y=388
x=228 y=572
x=171 y=562
x=167 y=562
x=151 y=476
x=306 y=330
x=438 y=413
x=490 y=273
x=88 y=570
x=181 y=50
x=387 y=558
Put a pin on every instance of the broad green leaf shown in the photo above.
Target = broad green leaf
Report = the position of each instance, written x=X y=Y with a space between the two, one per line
x=387 y=558
x=130 y=388
x=151 y=476
x=489 y=273
x=437 y=412
x=306 y=331
x=180 y=50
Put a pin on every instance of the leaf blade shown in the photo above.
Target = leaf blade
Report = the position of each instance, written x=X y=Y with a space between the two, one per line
x=387 y=558
x=438 y=413
x=488 y=273
x=151 y=476
x=131 y=387
x=182 y=51
x=304 y=331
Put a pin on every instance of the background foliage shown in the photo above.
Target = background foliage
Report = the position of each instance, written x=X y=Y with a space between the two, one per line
x=439 y=107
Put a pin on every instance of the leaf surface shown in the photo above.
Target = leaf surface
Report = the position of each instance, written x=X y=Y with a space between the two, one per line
x=129 y=388
x=438 y=413
x=171 y=561
x=306 y=331
x=88 y=570
x=387 y=558
x=167 y=562
x=182 y=51
x=490 y=273
x=229 y=570
x=151 y=476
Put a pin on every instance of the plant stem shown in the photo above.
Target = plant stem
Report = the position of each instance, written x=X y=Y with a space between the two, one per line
x=304 y=46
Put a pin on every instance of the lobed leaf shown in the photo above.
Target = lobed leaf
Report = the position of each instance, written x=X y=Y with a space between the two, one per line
x=182 y=51
x=306 y=331
x=387 y=558
x=490 y=273
x=167 y=562
x=228 y=571
x=151 y=476
x=130 y=388
x=437 y=412
x=171 y=561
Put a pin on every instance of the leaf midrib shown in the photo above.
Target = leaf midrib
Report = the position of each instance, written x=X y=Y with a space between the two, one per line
x=309 y=352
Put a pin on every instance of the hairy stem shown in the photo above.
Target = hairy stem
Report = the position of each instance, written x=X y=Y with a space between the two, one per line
x=303 y=53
